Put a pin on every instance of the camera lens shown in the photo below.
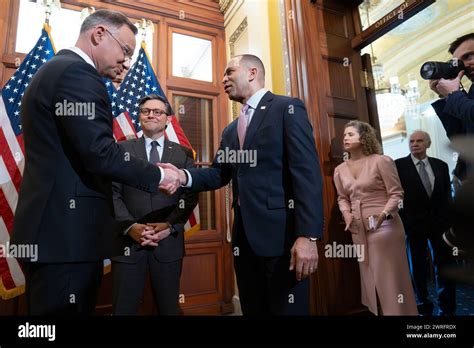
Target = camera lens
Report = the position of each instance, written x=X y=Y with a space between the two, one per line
x=427 y=70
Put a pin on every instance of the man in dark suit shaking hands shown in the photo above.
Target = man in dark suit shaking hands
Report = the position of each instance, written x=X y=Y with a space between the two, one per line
x=425 y=216
x=65 y=203
x=156 y=215
x=270 y=155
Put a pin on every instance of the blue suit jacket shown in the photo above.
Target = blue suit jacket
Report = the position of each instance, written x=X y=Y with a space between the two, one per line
x=281 y=196
x=456 y=112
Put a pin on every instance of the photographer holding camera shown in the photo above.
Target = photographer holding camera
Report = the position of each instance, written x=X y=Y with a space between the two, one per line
x=455 y=109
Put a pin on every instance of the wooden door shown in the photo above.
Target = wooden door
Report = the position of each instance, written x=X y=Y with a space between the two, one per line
x=326 y=74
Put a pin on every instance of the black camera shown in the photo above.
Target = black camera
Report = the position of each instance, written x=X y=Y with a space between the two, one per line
x=438 y=70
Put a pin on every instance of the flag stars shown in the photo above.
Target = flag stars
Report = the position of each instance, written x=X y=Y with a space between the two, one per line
x=11 y=100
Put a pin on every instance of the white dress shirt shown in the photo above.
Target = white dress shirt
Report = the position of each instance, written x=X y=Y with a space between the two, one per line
x=161 y=144
x=428 y=168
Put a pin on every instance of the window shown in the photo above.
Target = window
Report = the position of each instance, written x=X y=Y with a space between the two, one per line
x=195 y=117
x=192 y=57
x=65 y=25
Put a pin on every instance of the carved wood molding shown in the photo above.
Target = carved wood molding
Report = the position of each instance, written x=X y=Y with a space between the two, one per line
x=225 y=5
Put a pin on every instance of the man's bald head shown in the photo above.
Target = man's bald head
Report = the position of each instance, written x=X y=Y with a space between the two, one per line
x=243 y=77
x=251 y=61
x=420 y=141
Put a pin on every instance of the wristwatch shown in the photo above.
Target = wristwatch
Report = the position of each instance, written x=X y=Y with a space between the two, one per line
x=172 y=229
x=312 y=239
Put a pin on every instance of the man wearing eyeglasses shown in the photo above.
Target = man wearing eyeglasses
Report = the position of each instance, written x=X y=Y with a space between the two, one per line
x=153 y=223
x=65 y=203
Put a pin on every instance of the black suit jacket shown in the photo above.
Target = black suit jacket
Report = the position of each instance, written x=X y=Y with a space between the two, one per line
x=280 y=197
x=456 y=113
x=133 y=205
x=418 y=208
x=65 y=201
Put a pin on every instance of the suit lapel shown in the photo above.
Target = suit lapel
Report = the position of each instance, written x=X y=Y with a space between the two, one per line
x=139 y=148
x=234 y=137
x=257 y=118
x=168 y=149
x=416 y=176
x=435 y=169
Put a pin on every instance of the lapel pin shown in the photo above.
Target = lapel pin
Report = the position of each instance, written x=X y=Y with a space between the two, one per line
x=262 y=107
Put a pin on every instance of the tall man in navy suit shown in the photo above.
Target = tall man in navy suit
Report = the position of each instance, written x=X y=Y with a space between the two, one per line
x=270 y=155
x=65 y=203
x=426 y=217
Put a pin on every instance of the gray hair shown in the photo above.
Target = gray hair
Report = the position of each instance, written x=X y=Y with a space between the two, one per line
x=426 y=134
x=113 y=19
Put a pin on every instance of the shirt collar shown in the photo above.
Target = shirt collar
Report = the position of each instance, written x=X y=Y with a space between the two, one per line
x=82 y=54
x=256 y=98
x=416 y=160
x=160 y=140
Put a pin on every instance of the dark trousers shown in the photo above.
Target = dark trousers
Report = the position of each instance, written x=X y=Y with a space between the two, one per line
x=266 y=286
x=128 y=281
x=62 y=288
x=419 y=239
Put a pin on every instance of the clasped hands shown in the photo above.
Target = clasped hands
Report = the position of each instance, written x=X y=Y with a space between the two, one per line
x=149 y=234
x=173 y=179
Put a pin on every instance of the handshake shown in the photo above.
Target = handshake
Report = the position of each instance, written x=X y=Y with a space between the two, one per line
x=173 y=179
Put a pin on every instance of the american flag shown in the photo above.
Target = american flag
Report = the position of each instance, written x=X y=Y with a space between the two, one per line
x=12 y=160
x=140 y=81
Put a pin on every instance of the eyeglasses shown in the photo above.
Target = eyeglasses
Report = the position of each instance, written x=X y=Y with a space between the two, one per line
x=156 y=112
x=127 y=52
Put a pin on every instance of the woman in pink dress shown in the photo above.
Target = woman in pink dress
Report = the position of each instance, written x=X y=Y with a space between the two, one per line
x=369 y=196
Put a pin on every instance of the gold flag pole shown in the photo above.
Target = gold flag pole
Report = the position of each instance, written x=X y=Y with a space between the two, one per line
x=145 y=26
x=49 y=6
x=86 y=12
